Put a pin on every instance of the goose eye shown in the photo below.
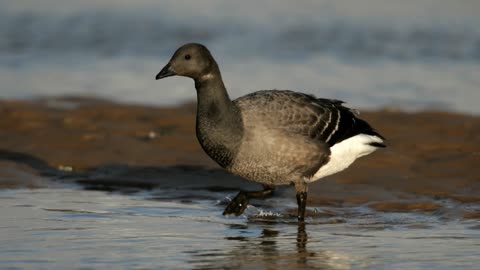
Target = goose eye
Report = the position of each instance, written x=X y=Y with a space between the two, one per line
x=188 y=57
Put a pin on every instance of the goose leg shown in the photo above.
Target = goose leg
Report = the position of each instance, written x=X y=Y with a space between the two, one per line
x=301 y=188
x=238 y=205
x=302 y=203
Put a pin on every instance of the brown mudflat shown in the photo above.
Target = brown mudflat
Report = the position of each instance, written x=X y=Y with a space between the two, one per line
x=431 y=156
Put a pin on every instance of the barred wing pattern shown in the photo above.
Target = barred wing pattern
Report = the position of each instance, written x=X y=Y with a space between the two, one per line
x=326 y=120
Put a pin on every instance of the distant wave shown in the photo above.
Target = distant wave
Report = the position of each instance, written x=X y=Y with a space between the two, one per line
x=106 y=33
x=91 y=33
x=378 y=41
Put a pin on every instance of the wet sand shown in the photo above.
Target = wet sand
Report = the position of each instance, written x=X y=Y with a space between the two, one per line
x=431 y=156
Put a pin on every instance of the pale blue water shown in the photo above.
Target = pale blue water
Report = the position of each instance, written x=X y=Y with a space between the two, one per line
x=70 y=228
x=402 y=54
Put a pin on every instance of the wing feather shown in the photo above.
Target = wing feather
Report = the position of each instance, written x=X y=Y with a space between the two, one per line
x=326 y=120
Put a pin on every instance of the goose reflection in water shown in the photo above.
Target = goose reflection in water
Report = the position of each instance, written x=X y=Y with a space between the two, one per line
x=270 y=249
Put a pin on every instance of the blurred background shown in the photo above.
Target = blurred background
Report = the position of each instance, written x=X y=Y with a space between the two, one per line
x=407 y=54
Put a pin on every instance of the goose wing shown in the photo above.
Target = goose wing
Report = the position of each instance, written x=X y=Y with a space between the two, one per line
x=325 y=120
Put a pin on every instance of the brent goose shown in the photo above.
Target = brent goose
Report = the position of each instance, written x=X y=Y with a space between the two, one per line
x=272 y=137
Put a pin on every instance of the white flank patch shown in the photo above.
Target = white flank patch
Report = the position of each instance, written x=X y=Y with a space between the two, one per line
x=343 y=154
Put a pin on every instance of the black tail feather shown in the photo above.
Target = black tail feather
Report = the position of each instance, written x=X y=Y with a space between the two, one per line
x=376 y=144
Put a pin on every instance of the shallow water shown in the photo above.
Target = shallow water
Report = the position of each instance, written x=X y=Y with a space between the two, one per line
x=370 y=53
x=68 y=227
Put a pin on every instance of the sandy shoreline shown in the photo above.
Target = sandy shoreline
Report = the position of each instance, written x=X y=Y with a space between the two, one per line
x=431 y=156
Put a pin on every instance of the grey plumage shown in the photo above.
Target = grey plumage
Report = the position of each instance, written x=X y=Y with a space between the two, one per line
x=273 y=137
x=277 y=146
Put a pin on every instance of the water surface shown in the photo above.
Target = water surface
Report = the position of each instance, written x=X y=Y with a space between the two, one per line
x=408 y=54
x=72 y=228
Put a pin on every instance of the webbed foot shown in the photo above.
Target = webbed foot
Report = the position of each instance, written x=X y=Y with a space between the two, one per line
x=238 y=205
